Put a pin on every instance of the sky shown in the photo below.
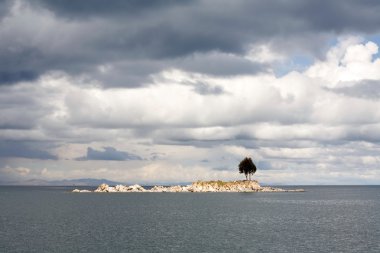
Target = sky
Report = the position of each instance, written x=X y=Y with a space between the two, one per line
x=175 y=91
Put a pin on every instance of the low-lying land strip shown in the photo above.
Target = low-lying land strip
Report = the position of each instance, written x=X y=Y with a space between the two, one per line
x=199 y=186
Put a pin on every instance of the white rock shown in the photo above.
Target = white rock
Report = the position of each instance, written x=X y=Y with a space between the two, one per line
x=77 y=190
x=102 y=188
x=111 y=189
x=136 y=188
x=159 y=189
x=210 y=186
x=121 y=188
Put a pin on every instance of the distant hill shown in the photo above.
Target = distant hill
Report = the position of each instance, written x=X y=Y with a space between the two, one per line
x=65 y=182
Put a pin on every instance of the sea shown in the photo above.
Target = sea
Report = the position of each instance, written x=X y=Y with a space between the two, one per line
x=322 y=219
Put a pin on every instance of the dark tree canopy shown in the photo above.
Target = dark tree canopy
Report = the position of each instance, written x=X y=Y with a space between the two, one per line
x=247 y=167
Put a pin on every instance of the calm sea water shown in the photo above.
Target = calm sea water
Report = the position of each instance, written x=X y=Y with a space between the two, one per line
x=323 y=219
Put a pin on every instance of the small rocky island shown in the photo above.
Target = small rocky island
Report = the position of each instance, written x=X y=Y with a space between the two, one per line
x=199 y=186
x=246 y=167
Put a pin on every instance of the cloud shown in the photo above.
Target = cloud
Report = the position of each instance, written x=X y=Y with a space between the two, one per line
x=367 y=89
x=220 y=64
x=181 y=83
x=87 y=9
x=108 y=153
x=136 y=40
x=24 y=149
x=349 y=61
x=9 y=77
x=21 y=110
x=20 y=170
x=181 y=109
x=4 y=7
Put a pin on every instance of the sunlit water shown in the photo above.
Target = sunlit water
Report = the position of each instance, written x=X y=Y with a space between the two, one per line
x=323 y=219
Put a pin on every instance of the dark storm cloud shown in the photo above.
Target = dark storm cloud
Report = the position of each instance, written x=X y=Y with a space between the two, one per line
x=367 y=89
x=340 y=15
x=108 y=153
x=24 y=149
x=4 y=7
x=21 y=109
x=81 y=35
x=220 y=64
x=205 y=89
x=95 y=8
x=8 y=77
x=128 y=73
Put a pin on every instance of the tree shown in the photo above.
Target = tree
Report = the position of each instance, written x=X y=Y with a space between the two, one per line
x=247 y=167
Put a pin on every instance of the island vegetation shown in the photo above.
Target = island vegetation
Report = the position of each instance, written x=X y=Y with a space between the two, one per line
x=247 y=167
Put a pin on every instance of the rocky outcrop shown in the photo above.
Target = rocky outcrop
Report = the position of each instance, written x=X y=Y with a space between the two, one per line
x=221 y=186
x=272 y=189
x=199 y=186
x=120 y=188
x=77 y=190
x=176 y=188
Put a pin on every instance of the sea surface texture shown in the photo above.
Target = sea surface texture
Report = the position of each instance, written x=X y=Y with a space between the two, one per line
x=322 y=219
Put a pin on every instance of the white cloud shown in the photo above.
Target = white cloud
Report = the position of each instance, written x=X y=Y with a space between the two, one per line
x=264 y=54
x=293 y=122
x=346 y=63
x=22 y=171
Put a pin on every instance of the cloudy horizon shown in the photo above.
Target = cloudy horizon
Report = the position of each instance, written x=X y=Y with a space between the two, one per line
x=175 y=91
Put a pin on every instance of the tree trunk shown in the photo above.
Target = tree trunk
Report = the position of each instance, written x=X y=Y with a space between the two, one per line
x=246 y=177
x=249 y=176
